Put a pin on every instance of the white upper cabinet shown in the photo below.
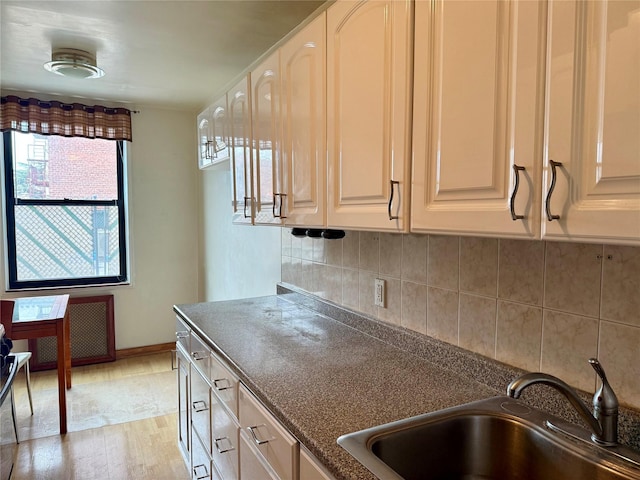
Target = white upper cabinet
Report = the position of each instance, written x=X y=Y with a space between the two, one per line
x=212 y=134
x=304 y=147
x=266 y=135
x=219 y=150
x=204 y=139
x=593 y=122
x=478 y=94
x=369 y=75
x=239 y=128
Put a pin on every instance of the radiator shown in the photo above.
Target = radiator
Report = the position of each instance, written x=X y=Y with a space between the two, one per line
x=92 y=335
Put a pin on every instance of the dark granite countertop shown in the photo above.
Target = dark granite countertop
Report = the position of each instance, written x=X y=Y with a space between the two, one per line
x=324 y=371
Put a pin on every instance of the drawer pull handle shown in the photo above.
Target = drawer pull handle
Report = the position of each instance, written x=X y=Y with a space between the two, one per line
x=200 y=471
x=226 y=385
x=554 y=174
x=516 y=170
x=199 y=355
x=183 y=334
x=229 y=447
x=256 y=438
x=199 y=406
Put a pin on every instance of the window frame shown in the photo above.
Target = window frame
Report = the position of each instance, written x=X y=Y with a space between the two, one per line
x=10 y=202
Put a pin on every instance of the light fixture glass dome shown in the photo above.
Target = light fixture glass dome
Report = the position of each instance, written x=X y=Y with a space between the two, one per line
x=73 y=63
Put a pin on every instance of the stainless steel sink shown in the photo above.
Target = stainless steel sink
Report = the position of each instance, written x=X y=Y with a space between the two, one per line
x=498 y=438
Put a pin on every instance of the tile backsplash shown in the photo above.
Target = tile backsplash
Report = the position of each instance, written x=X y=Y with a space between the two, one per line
x=536 y=305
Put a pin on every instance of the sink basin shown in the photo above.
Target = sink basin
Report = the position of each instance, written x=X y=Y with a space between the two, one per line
x=494 y=439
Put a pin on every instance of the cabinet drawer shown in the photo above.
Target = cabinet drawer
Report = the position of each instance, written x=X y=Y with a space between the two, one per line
x=201 y=409
x=251 y=463
x=183 y=334
x=271 y=440
x=201 y=464
x=200 y=355
x=224 y=384
x=225 y=441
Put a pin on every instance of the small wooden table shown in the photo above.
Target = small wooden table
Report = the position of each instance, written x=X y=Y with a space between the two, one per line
x=48 y=316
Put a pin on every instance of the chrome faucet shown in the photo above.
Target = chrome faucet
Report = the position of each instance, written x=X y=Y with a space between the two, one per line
x=603 y=422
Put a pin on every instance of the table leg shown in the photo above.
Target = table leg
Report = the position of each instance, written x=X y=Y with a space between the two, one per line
x=62 y=391
x=67 y=348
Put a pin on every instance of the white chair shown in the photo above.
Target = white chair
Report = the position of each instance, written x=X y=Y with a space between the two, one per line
x=23 y=361
x=7 y=391
x=21 y=358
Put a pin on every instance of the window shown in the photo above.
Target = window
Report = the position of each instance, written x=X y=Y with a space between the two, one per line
x=65 y=211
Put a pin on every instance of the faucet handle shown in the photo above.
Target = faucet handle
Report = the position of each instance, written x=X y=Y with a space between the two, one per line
x=604 y=400
x=597 y=366
x=605 y=407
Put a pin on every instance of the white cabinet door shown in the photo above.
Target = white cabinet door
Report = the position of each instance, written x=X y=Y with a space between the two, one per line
x=212 y=134
x=266 y=135
x=219 y=145
x=310 y=468
x=272 y=442
x=184 y=405
x=593 y=122
x=304 y=147
x=252 y=465
x=369 y=75
x=204 y=138
x=241 y=153
x=477 y=113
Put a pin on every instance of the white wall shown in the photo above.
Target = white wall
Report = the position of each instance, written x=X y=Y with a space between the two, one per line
x=163 y=208
x=237 y=261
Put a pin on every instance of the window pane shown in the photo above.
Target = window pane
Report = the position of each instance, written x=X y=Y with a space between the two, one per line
x=55 y=168
x=55 y=242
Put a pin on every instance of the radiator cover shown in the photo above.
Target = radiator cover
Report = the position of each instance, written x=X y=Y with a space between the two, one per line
x=92 y=335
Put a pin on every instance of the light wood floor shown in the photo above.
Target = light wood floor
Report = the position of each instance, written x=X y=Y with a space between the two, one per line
x=142 y=449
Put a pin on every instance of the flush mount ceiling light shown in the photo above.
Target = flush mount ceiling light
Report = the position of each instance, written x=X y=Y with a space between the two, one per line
x=73 y=63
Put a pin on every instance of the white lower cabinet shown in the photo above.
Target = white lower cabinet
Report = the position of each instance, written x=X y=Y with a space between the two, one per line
x=270 y=440
x=224 y=432
x=200 y=461
x=225 y=446
x=310 y=469
x=201 y=408
x=252 y=464
x=184 y=410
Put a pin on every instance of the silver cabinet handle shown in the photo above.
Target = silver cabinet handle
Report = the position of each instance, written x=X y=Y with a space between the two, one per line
x=554 y=175
x=206 y=149
x=199 y=355
x=281 y=195
x=246 y=201
x=229 y=447
x=200 y=471
x=258 y=440
x=516 y=170
x=226 y=386
x=199 y=406
x=391 y=216
x=273 y=208
x=183 y=334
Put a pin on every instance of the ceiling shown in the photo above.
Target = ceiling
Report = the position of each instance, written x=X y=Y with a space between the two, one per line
x=171 y=53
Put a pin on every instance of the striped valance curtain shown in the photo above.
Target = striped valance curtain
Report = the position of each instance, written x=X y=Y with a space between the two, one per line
x=30 y=115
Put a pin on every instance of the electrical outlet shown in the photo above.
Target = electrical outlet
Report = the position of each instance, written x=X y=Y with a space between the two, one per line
x=379 y=292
